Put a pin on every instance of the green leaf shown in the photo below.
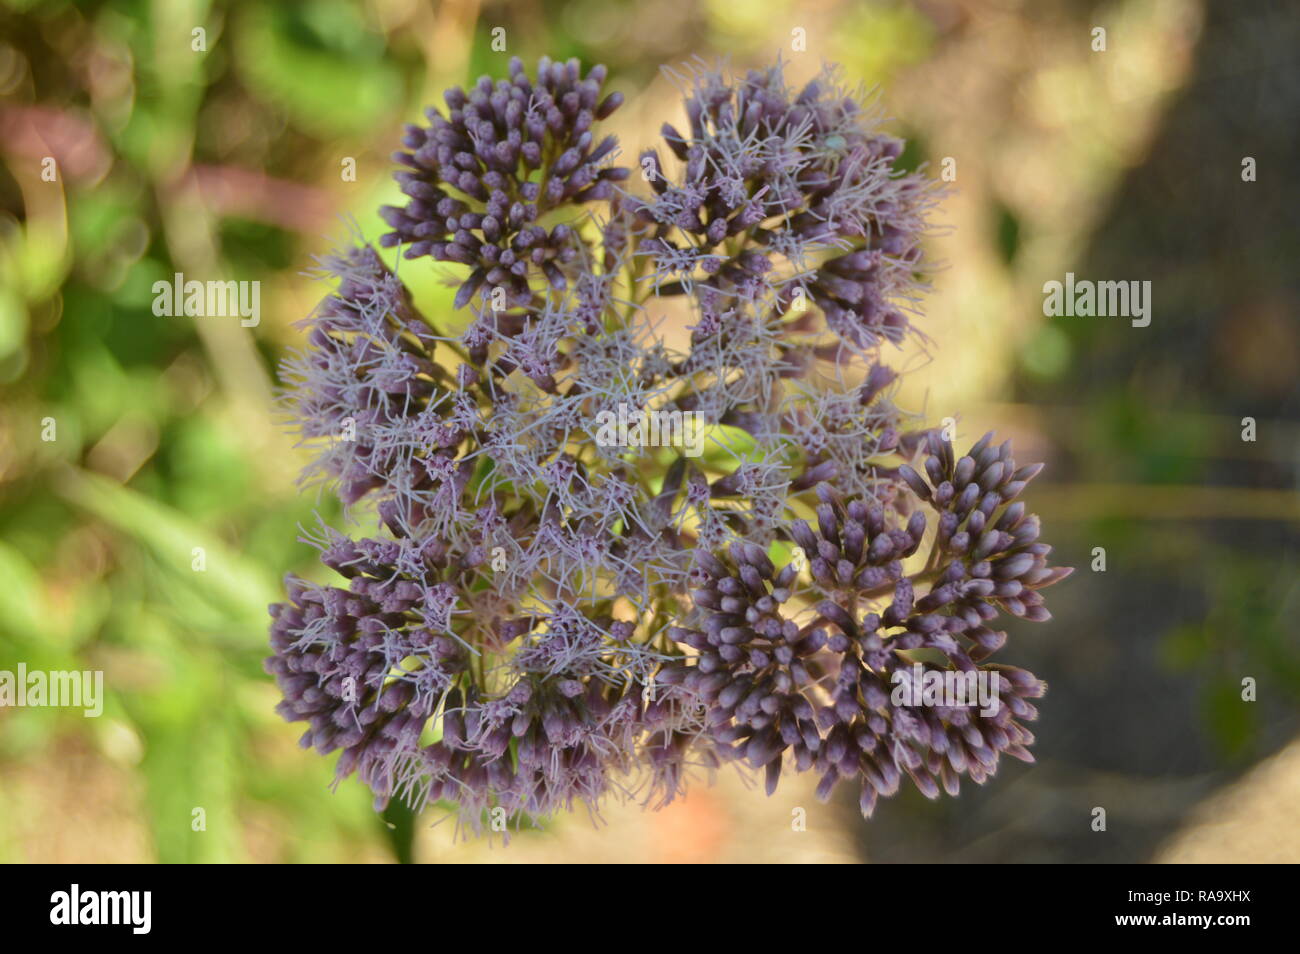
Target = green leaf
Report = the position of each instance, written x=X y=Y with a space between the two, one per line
x=229 y=581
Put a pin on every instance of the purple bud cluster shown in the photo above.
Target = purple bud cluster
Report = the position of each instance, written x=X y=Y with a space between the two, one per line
x=482 y=177
x=551 y=612
x=815 y=688
x=784 y=194
x=369 y=388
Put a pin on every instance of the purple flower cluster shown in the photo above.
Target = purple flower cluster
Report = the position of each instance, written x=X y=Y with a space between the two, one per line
x=370 y=667
x=770 y=177
x=817 y=684
x=506 y=154
x=774 y=573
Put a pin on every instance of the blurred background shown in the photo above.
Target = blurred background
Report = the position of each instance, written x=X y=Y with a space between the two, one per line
x=225 y=155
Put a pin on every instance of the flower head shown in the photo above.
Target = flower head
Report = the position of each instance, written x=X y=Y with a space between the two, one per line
x=481 y=178
x=817 y=683
x=767 y=561
x=787 y=194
